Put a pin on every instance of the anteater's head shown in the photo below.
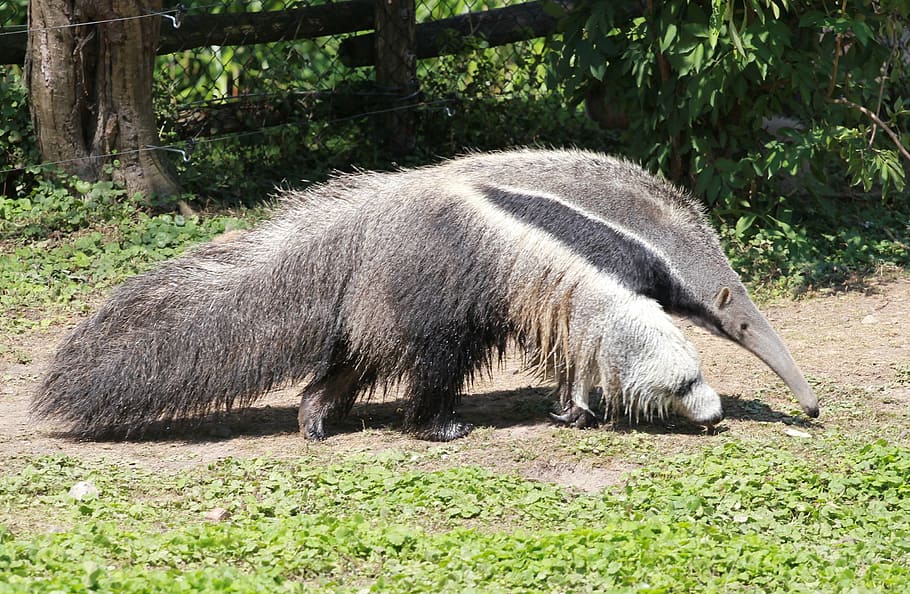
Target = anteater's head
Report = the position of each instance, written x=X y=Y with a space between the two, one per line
x=733 y=315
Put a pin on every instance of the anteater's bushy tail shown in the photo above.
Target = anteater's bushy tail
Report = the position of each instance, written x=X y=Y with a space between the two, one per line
x=215 y=328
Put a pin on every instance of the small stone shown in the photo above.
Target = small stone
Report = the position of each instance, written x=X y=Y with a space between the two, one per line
x=217 y=514
x=870 y=319
x=83 y=490
x=797 y=433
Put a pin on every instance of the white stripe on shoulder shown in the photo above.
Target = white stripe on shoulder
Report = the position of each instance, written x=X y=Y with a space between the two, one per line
x=619 y=229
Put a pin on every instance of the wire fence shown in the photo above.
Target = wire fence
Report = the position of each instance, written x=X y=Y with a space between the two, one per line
x=216 y=89
x=237 y=108
x=220 y=73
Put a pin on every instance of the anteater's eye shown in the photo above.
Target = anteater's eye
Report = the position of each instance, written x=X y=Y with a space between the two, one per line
x=743 y=327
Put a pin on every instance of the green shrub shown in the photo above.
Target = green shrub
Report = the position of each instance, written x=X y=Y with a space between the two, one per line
x=703 y=89
x=17 y=140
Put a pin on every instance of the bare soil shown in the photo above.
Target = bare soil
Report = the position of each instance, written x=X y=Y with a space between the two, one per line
x=853 y=346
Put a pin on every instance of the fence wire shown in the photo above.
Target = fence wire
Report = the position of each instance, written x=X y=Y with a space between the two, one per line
x=219 y=73
x=242 y=108
x=267 y=81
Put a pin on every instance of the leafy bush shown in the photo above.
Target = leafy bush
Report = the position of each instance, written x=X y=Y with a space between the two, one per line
x=836 y=249
x=17 y=141
x=755 y=104
x=474 y=99
x=500 y=101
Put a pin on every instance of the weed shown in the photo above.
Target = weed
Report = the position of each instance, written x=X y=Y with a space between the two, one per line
x=902 y=374
x=65 y=243
x=732 y=517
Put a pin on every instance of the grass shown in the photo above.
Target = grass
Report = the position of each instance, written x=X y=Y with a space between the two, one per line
x=63 y=245
x=734 y=517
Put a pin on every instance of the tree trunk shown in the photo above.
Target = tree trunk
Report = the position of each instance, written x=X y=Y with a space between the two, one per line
x=90 y=90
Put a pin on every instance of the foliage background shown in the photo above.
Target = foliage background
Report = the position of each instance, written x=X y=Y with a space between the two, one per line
x=753 y=105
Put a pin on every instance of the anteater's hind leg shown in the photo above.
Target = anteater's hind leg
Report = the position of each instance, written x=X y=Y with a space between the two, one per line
x=334 y=394
x=433 y=396
x=449 y=356
x=435 y=420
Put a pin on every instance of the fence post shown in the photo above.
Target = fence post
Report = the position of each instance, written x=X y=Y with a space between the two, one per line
x=396 y=71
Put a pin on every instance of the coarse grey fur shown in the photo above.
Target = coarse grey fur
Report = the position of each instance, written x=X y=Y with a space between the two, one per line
x=418 y=277
x=627 y=346
x=648 y=233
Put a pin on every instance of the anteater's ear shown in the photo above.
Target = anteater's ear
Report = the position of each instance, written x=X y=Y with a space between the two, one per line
x=722 y=298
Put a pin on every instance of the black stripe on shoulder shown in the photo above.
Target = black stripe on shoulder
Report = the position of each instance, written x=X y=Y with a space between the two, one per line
x=626 y=258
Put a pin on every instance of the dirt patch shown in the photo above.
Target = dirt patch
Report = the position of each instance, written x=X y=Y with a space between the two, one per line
x=581 y=476
x=854 y=347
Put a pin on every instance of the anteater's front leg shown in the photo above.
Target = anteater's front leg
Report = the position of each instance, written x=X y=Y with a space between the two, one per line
x=576 y=416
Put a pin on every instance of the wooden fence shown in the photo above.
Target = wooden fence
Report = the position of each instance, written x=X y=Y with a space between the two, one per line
x=391 y=40
x=498 y=26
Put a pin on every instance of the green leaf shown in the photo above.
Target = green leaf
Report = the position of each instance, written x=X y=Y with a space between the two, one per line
x=862 y=31
x=734 y=36
x=743 y=224
x=719 y=10
x=774 y=9
x=668 y=37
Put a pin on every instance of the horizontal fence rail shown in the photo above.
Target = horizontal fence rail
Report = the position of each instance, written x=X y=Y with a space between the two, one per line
x=323 y=83
x=498 y=26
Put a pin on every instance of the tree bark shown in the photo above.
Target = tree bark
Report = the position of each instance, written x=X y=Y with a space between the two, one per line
x=90 y=90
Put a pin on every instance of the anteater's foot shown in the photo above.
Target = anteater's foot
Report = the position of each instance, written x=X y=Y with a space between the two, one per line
x=445 y=431
x=332 y=396
x=576 y=416
x=313 y=431
x=312 y=422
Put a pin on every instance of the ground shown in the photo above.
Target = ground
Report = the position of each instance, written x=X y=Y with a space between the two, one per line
x=854 y=347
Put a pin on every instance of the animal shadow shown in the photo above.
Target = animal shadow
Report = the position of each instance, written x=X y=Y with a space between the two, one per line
x=734 y=409
x=752 y=409
x=498 y=409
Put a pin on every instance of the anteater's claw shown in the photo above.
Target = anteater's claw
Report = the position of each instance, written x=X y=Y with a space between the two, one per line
x=576 y=416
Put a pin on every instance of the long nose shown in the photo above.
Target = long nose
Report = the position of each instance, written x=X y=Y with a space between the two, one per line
x=765 y=344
